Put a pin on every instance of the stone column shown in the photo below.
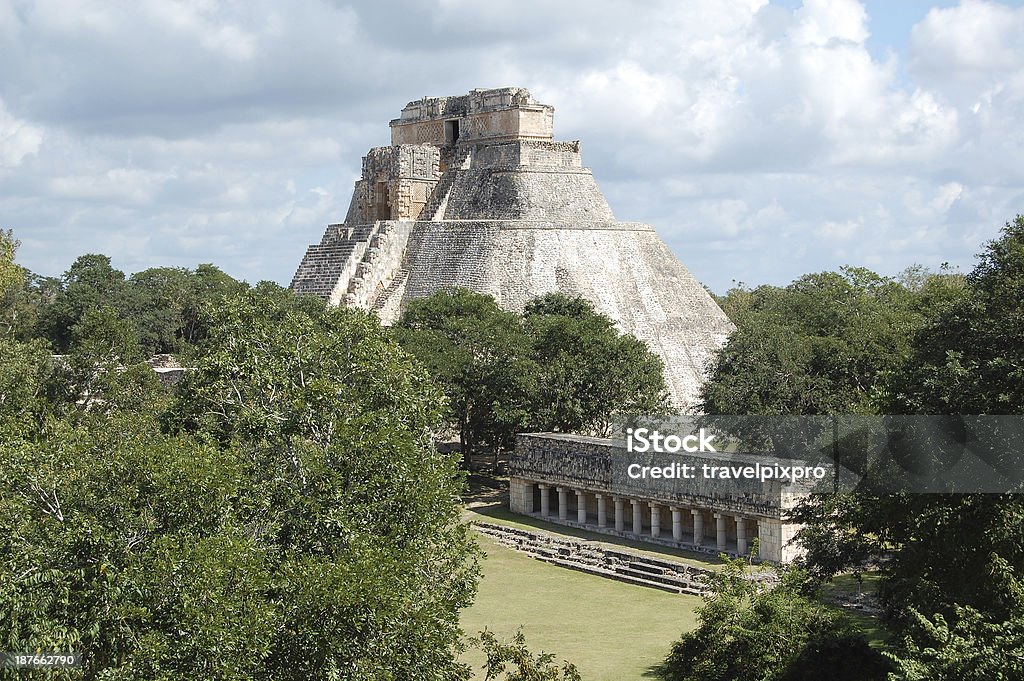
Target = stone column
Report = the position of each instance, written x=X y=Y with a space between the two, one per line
x=767 y=535
x=741 y=535
x=528 y=496
x=638 y=516
x=545 y=500
x=698 y=526
x=563 y=503
x=720 y=527
x=602 y=510
x=620 y=520
x=581 y=507
x=655 y=520
x=677 y=523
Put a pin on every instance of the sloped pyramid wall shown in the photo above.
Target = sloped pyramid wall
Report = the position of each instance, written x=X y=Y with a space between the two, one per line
x=515 y=220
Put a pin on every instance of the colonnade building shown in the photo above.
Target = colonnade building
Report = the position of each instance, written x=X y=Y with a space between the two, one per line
x=583 y=482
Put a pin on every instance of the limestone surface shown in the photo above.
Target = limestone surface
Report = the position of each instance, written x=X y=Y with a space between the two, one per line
x=475 y=193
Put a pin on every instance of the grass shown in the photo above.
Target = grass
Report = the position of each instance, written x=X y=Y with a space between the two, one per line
x=610 y=630
x=869 y=624
x=501 y=515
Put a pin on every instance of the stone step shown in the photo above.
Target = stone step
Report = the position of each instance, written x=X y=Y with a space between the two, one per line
x=382 y=299
x=618 y=576
x=669 y=580
x=444 y=185
x=584 y=556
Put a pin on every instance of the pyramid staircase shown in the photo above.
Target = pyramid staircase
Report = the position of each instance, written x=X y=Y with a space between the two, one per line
x=439 y=198
x=339 y=252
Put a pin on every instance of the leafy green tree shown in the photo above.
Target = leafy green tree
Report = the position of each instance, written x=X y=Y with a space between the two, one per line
x=480 y=355
x=11 y=280
x=588 y=373
x=825 y=344
x=971 y=648
x=513 y=661
x=157 y=299
x=285 y=518
x=970 y=358
x=121 y=543
x=91 y=283
x=751 y=631
x=26 y=374
x=561 y=366
x=947 y=550
x=166 y=304
x=25 y=367
x=208 y=286
x=371 y=558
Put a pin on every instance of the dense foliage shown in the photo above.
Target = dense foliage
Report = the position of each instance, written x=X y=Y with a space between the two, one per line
x=558 y=366
x=282 y=516
x=852 y=342
x=826 y=344
x=752 y=631
x=159 y=310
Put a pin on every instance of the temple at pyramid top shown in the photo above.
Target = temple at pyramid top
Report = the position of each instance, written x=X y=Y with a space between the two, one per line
x=480 y=117
x=475 y=192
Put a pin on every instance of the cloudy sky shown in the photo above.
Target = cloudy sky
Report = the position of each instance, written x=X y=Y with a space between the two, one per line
x=762 y=140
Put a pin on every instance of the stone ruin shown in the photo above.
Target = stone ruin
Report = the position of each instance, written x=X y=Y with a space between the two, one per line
x=579 y=481
x=474 y=192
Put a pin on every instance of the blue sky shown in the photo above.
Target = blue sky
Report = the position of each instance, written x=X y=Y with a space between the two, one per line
x=762 y=140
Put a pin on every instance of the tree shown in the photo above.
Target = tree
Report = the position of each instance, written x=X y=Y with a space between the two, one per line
x=285 y=518
x=90 y=284
x=970 y=358
x=560 y=366
x=166 y=304
x=752 y=631
x=371 y=558
x=123 y=544
x=513 y=661
x=973 y=648
x=825 y=344
x=25 y=367
x=480 y=355
x=12 y=278
x=25 y=382
x=588 y=373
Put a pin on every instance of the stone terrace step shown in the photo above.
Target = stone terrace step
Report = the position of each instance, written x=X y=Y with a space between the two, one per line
x=583 y=556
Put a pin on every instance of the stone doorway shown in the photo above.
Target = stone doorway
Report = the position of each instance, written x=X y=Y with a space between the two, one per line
x=451 y=132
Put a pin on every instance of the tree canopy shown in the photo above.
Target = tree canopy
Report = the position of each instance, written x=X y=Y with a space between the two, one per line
x=558 y=366
x=283 y=515
x=853 y=342
x=752 y=631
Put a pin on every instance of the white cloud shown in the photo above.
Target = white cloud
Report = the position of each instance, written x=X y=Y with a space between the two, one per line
x=204 y=130
x=18 y=139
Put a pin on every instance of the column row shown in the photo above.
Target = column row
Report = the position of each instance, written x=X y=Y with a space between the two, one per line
x=695 y=535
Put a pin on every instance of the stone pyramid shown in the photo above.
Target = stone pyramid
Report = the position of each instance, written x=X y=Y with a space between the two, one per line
x=474 y=192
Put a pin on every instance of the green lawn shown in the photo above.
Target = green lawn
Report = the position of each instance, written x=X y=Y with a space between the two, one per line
x=870 y=625
x=610 y=630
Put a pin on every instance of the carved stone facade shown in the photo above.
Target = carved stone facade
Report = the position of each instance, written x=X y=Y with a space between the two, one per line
x=581 y=481
x=475 y=193
x=482 y=116
x=396 y=183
